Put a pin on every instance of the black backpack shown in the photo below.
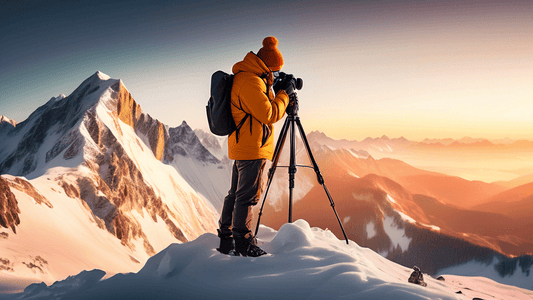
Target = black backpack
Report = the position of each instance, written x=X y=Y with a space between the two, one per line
x=218 y=107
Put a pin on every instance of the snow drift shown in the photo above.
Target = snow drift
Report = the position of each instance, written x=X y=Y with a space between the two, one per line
x=303 y=263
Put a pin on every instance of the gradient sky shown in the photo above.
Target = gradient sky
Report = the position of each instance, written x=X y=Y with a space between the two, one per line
x=416 y=69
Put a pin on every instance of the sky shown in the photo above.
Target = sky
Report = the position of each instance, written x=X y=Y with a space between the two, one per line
x=417 y=69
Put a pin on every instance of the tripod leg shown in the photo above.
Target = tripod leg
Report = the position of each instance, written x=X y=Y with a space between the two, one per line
x=292 y=166
x=318 y=175
x=275 y=160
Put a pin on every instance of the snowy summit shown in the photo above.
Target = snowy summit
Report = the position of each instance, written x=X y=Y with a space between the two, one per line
x=4 y=119
x=303 y=263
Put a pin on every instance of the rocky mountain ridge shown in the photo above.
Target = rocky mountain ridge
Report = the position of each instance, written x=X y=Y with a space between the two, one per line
x=129 y=172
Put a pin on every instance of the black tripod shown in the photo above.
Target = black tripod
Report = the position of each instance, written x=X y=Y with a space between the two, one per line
x=290 y=124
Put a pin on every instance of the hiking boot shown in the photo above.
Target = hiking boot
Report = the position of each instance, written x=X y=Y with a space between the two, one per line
x=227 y=245
x=248 y=247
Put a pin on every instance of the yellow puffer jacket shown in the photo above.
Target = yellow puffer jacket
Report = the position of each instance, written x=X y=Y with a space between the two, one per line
x=251 y=93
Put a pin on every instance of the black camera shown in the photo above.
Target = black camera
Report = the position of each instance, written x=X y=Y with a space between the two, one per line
x=284 y=79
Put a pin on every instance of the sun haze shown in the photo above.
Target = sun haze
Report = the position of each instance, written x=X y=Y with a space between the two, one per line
x=418 y=69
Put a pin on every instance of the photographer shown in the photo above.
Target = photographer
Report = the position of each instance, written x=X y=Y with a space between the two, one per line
x=256 y=109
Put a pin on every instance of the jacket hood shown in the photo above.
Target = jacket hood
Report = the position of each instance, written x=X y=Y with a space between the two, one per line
x=251 y=63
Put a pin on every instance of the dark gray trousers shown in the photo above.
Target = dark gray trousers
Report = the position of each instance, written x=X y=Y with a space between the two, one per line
x=244 y=193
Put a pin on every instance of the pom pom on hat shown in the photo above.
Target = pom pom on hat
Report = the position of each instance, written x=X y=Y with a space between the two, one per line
x=270 y=54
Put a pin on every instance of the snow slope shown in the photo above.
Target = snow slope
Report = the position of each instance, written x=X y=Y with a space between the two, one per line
x=303 y=263
x=59 y=237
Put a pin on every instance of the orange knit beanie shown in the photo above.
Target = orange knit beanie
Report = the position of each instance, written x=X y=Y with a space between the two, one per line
x=270 y=54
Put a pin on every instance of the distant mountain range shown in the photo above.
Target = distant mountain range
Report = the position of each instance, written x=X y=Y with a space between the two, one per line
x=91 y=181
x=385 y=144
x=415 y=217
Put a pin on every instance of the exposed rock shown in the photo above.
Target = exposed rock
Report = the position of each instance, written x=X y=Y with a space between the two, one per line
x=208 y=140
x=6 y=124
x=37 y=264
x=6 y=265
x=26 y=187
x=120 y=188
x=99 y=204
x=9 y=210
x=6 y=120
x=70 y=190
x=155 y=131
x=134 y=259
x=129 y=112
x=183 y=141
x=417 y=277
x=73 y=140
x=441 y=278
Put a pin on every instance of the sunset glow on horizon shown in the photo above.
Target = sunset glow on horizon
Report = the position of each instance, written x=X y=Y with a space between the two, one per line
x=417 y=69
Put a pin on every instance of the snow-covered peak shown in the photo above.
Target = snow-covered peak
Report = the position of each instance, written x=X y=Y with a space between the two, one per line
x=102 y=76
x=97 y=151
x=60 y=97
x=4 y=119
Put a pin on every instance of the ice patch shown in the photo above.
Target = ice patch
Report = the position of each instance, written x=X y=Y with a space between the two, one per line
x=390 y=198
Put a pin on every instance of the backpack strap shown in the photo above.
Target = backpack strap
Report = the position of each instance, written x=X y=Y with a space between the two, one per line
x=240 y=125
x=263 y=76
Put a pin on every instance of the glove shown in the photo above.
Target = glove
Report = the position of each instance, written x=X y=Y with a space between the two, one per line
x=293 y=107
x=286 y=85
x=289 y=89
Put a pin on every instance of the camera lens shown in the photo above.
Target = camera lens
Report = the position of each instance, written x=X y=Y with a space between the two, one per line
x=299 y=83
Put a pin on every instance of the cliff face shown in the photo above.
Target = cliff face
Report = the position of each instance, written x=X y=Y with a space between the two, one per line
x=120 y=188
x=9 y=210
x=129 y=112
